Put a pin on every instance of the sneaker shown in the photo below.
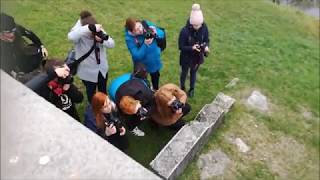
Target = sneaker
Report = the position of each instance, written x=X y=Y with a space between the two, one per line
x=191 y=93
x=137 y=132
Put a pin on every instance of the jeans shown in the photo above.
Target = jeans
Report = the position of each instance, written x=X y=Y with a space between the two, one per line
x=92 y=86
x=193 y=75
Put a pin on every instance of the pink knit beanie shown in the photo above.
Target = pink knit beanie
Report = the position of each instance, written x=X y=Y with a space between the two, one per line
x=196 y=17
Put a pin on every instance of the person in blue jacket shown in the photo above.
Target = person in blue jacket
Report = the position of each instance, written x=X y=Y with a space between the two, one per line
x=193 y=46
x=136 y=87
x=141 y=41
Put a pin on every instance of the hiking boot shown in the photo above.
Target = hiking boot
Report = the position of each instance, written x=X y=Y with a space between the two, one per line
x=191 y=93
x=137 y=132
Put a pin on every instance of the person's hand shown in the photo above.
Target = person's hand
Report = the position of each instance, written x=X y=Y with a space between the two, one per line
x=110 y=130
x=122 y=131
x=66 y=87
x=44 y=52
x=206 y=49
x=98 y=39
x=179 y=111
x=98 y=27
x=62 y=72
x=196 y=47
x=148 y=41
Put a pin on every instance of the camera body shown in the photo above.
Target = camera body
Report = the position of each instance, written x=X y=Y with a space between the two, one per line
x=113 y=119
x=202 y=48
x=67 y=80
x=142 y=112
x=176 y=104
x=102 y=35
x=148 y=34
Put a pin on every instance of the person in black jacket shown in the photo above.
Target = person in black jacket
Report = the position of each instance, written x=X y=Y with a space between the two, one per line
x=193 y=46
x=133 y=96
x=18 y=58
x=61 y=91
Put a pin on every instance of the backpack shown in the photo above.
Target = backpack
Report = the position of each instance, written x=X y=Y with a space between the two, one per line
x=161 y=42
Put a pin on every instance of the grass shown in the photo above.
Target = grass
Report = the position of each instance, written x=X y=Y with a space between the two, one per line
x=270 y=48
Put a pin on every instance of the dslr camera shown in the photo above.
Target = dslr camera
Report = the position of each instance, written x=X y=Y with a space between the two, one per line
x=175 y=105
x=113 y=119
x=148 y=34
x=202 y=47
x=102 y=35
x=142 y=113
x=67 y=80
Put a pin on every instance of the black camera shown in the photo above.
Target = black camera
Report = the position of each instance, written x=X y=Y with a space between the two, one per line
x=202 y=48
x=142 y=112
x=148 y=34
x=67 y=80
x=113 y=119
x=102 y=35
x=176 y=105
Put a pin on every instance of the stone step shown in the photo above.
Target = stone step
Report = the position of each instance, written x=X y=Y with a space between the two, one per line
x=180 y=150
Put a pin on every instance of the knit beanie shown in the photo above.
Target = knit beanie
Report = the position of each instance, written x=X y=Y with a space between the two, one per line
x=196 y=17
x=7 y=22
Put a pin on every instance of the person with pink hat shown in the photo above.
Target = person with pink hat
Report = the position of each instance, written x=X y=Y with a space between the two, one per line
x=193 y=46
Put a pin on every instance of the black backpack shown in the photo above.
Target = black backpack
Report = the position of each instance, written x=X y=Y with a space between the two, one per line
x=162 y=43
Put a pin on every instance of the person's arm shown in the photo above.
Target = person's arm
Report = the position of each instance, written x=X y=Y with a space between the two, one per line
x=183 y=41
x=75 y=95
x=206 y=35
x=78 y=31
x=136 y=52
x=109 y=43
x=29 y=34
x=40 y=80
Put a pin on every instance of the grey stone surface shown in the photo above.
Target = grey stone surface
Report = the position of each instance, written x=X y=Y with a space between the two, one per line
x=39 y=141
x=232 y=83
x=213 y=164
x=223 y=101
x=258 y=101
x=242 y=146
x=180 y=150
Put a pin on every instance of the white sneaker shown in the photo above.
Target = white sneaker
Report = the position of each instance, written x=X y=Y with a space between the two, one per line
x=137 y=132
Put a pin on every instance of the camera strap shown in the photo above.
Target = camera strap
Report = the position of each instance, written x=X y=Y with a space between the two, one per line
x=88 y=53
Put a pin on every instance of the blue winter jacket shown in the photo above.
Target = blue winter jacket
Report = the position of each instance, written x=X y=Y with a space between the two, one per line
x=116 y=83
x=149 y=55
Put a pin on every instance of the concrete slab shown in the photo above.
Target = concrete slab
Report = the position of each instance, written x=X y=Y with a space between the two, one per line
x=180 y=150
x=39 y=141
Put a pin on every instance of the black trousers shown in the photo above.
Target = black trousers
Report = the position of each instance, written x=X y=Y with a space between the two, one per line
x=91 y=87
x=155 y=80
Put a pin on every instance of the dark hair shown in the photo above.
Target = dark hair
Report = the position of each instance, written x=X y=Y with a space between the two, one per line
x=87 y=18
x=51 y=63
x=7 y=22
x=130 y=23
x=140 y=71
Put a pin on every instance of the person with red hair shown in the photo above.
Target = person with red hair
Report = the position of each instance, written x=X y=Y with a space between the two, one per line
x=101 y=117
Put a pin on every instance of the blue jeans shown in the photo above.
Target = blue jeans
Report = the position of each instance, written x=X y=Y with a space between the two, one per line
x=92 y=86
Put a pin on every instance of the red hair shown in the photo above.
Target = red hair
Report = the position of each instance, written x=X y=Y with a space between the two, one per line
x=97 y=103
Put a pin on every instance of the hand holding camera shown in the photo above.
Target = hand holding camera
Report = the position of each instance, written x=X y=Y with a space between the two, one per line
x=176 y=106
x=110 y=129
x=98 y=32
x=142 y=113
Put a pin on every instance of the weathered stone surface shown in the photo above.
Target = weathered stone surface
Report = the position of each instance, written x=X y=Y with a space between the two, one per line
x=213 y=164
x=258 y=101
x=39 y=141
x=242 y=146
x=175 y=156
x=223 y=101
x=232 y=83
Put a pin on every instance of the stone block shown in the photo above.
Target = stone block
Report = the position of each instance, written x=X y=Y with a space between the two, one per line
x=180 y=150
x=39 y=141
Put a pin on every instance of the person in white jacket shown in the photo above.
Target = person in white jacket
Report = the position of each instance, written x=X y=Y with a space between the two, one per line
x=93 y=71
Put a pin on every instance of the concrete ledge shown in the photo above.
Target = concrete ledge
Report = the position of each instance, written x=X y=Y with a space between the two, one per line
x=39 y=141
x=180 y=150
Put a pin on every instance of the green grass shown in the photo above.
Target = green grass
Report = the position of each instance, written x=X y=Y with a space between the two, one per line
x=270 y=48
